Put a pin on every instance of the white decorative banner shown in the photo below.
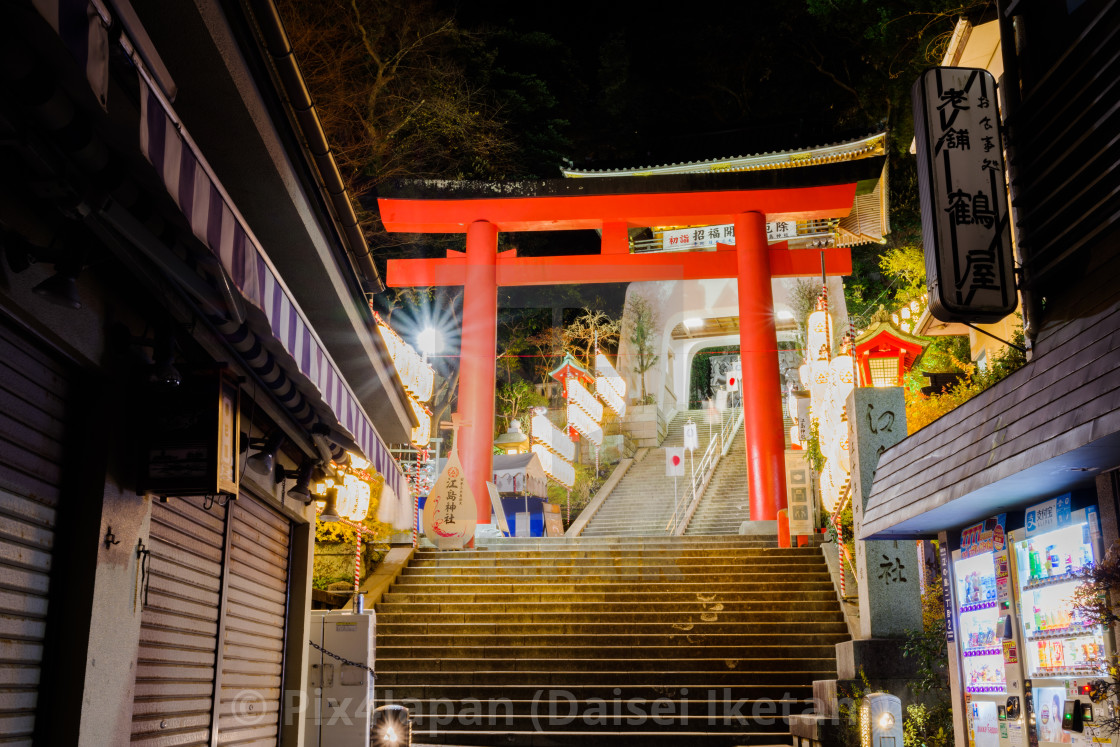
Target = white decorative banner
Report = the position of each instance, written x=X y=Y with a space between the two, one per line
x=583 y=423
x=584 y=400
x=610 y=397
x=674 y=461
x=691 y=437
x=555 y=439
x=555 y=467
x=607 y=377
x=709 y=236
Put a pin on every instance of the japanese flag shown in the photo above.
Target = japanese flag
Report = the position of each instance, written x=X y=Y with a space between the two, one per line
x=674 y=462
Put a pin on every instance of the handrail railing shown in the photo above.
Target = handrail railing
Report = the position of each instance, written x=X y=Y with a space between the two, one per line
x=717 y=447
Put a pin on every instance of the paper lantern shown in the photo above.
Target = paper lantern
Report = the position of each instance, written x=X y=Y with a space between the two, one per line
x=795 y=436
x=842 y=374
x=830 y=496
x=353 y=498
x=818 y=384
x=845 y=460
x=804 y=372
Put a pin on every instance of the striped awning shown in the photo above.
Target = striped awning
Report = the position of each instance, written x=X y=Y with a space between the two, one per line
x=83 y=32
x=216 y=222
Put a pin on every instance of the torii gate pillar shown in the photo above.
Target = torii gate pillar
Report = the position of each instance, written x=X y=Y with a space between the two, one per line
x=477 y=362
x=758 y=353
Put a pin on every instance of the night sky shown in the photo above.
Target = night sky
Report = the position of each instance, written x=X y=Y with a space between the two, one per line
x=665 y=82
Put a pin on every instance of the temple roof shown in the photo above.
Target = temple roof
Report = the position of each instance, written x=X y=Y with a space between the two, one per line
x=871 y=145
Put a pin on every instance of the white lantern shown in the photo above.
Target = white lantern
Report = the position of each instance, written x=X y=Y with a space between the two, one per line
x=842 y=373
x=794 y=435
x=353 y=498
x=818 y=384
x=845 y=453
x=819 y=336
x=804 y=372
x=829 y=496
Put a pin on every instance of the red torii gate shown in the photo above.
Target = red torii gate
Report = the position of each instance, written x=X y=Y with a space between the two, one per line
x=612 y=205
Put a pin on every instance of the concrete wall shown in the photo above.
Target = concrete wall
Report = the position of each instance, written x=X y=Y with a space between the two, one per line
x=677 y=300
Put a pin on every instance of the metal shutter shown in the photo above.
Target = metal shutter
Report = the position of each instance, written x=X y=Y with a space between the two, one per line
x=253 y=641
x=34 y=389
x=179 y=625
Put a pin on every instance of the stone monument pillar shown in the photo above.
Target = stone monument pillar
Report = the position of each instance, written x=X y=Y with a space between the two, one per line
x=887 y=571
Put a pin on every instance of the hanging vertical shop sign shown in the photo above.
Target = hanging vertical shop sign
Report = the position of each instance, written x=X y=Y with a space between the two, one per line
x=965 y=217
x=191 y=436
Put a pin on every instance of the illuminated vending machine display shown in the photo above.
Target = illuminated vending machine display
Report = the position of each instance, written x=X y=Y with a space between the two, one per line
x=989 y=665
x=1063 y=652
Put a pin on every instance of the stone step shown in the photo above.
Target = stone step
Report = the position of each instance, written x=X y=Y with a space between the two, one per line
x=786 y=583
x=576 y=541
x=622 y=574
x=720 y=624
x=514 y=644
x=536 y=566
x=751 y=690
x=602 y=736
x=667 y=551
x=776 y=677
x=519 y=657
x=833 y=625
x=510 y=599
x=575 y=666
x=595 y=610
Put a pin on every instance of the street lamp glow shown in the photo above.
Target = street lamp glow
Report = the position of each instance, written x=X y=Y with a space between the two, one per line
x=785 y=315
x=430 y=341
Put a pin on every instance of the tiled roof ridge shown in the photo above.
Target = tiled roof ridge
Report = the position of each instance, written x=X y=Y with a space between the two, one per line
x=869 y=145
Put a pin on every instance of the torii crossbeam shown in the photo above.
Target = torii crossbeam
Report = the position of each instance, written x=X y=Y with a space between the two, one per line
x=613 y=205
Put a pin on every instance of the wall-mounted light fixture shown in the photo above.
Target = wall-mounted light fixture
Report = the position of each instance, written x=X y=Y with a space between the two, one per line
x=61 y=288
x=264 y=461
x=302 y=476
x=330 y=510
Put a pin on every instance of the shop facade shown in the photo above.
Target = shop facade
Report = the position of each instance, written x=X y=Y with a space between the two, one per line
x=184 y=335
x=1020 y=484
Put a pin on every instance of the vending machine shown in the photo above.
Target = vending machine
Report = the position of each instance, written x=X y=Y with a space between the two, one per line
x=1062 y=651
x=990 y=672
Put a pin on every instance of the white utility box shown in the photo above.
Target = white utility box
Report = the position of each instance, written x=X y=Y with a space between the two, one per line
x=338 y=706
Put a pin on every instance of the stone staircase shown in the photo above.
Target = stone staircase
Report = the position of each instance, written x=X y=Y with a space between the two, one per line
x=725 y=504
x=619 y=641
x=643 y=501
